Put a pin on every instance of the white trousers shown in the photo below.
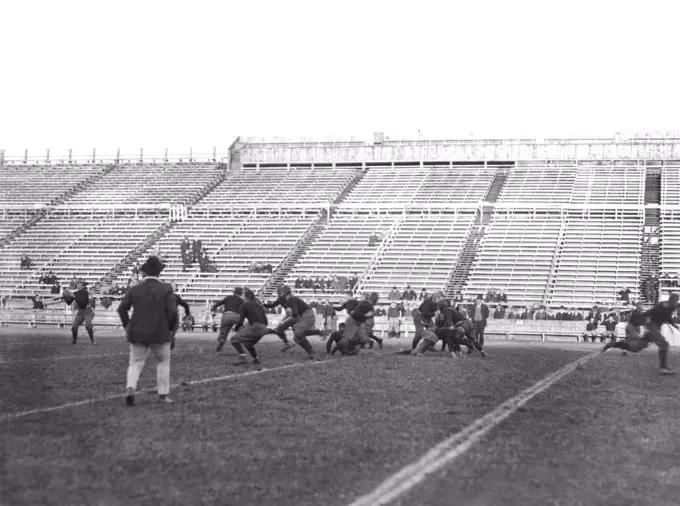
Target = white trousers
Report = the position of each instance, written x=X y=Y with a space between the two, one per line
x=138 y=356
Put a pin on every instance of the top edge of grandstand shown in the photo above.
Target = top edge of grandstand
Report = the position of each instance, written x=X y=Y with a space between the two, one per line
x=48 y=157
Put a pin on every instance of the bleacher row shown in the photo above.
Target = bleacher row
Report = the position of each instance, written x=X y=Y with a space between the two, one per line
x=570 y=258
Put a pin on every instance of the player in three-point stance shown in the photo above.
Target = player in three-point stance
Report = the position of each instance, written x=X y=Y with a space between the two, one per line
x=84 y=312
x=655 y=318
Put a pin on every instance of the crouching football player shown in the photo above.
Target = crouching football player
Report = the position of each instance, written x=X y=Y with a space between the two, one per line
x=246 y=338
x=334 y=345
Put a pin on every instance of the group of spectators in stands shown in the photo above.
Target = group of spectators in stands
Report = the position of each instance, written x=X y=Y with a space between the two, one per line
x=328 y=284
x=259 y=267
x=374 y=239
x=26 y=262
x=407 y=294
x=192 y=252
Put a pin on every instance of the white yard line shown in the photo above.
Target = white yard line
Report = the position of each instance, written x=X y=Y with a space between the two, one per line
x=14 y=416
x=456 y=445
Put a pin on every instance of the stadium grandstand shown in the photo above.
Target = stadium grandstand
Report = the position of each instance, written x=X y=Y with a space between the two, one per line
x=553 y=222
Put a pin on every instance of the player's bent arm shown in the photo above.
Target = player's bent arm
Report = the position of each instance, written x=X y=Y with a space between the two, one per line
x=171 y=309
x=123 y=308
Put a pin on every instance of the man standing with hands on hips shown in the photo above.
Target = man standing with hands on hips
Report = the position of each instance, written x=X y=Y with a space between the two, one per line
x=478 y=315
x=150 y=328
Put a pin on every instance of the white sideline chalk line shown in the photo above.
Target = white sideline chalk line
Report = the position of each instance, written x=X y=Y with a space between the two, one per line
x=455 y=446
x=14 y=416
x=4 y=361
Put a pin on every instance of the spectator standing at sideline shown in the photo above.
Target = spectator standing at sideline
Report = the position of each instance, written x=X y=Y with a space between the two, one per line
x=149 y=329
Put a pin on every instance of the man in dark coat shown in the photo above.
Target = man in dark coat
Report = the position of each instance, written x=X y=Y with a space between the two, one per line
x=478 y=315
x=153 y=318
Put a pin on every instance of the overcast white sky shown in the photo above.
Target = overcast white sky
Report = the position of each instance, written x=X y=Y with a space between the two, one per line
x=157 y=74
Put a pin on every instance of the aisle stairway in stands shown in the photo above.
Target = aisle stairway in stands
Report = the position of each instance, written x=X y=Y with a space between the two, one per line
x=497 y=185
x=268 y=290
x=651 y=250
x=358 y=176
x=460 y=272
x=150 y=243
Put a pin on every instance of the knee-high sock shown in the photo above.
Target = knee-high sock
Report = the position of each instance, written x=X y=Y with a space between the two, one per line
x=252 y=351
x=239 y=348
x=422 y=347
x=416 y=340
x=304 y=344
x=312 y=332
x=663 y=358
x=74 y=333
x=90 y=332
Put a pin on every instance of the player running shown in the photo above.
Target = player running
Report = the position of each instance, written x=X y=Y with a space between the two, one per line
x=657 y=316
x=84 y=313
x=304 y=317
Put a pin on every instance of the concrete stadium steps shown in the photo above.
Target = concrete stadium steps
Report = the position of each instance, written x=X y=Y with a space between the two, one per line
x=653 y=185
x=282 y=271
x=358 y=176
x=421 y=252
x=496 y=187
x=460 y=272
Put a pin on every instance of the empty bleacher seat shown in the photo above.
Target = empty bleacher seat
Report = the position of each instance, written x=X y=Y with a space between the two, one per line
x=598 y=256
x=515 y=256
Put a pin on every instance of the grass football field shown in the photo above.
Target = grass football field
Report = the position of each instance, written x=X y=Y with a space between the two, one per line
x=327 y=433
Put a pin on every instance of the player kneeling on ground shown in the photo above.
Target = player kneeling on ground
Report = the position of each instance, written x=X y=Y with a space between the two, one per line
x=457 y=330
x=655 y=318
x=246 y=338
x=359 y=325
x=336 y=338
